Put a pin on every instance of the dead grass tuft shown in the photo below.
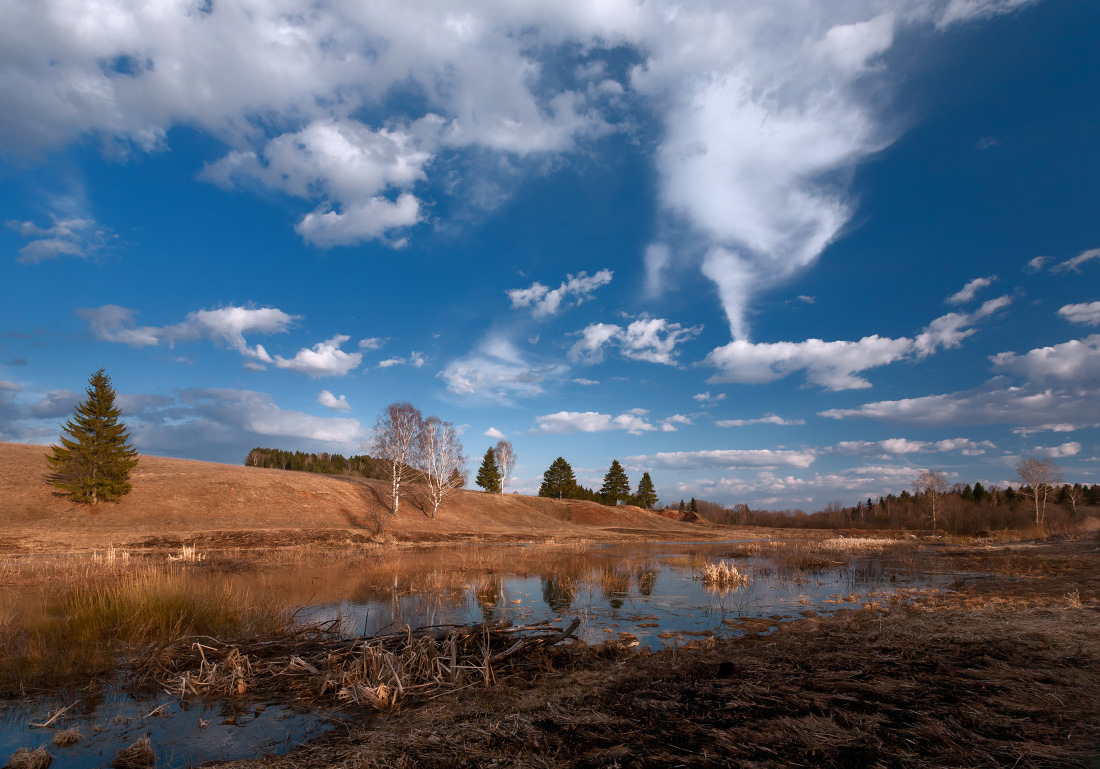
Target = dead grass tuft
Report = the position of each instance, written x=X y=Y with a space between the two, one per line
x=140 y=755
x=66 y=737
x=25 y=758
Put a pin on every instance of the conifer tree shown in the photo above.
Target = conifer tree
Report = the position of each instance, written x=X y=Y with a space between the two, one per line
x=647 y=494
x=558 y=481
x=94 y=463
x=488 y=475
x=616 y=486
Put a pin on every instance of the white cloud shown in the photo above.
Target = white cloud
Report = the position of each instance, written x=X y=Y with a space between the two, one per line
x=763 y=107
x=568 y=422
x=78 y=236
x=895 y=446
x=327 y=399
x=967 y=292
x=1088 y=314
x=226 y=325
x=323 y=359
x=544 y=301
x=371 y=343
x=492 y=432
x=1069 y=449
x=496 y=370
x=657 y=259
x=769 y=419
x=1074 y=264
x=833 y=365
x=415 y=359
x=1051 y=428
x=722 y=458
x=586 y=382
x=1004 y=405
x=836 y=365
x=1075 y=361
x=653 y=340
x=1037 y=264
x=668 y=424
x=707 y=398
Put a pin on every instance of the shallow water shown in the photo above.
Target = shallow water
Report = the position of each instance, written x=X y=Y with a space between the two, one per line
x=651 y=594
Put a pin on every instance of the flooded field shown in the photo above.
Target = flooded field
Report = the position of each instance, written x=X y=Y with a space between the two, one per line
x=651 y=597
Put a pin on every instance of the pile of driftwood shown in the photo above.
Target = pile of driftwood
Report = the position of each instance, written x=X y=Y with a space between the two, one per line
x=314 y=666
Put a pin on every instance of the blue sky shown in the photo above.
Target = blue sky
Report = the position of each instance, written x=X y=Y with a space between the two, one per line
x=781 y=254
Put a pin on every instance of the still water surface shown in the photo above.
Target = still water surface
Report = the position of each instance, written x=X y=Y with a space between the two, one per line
x=649 y=595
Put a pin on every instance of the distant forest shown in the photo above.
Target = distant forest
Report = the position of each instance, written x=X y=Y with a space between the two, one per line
x=360 y=465
x=965 y=510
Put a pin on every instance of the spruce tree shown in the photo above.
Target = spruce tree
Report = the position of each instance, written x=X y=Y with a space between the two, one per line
x=488 y=475
x=616 y=486
x=558 y=481
x=647 y=494
x=94 y=463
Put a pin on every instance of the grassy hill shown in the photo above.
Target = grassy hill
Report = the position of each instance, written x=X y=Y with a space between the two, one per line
x=178 y=500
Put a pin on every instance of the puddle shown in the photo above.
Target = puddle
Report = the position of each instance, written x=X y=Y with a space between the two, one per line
x=650 y=593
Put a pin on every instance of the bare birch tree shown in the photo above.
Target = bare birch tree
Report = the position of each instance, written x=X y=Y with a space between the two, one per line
x=442 y=458
x=1040 y=475
x=506 y=461
x=932 y=484
x=395 y=441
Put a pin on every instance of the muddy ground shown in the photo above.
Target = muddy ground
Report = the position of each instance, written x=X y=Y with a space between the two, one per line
x=1004 y=671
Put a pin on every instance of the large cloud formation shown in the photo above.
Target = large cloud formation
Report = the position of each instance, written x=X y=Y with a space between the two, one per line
x=351 y=105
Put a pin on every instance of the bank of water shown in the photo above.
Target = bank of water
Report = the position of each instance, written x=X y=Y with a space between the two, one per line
x=651 y=596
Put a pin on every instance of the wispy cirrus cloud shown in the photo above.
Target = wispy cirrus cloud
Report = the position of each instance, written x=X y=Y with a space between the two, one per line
x=76 y=236
x=767 y=419
x=967 y=292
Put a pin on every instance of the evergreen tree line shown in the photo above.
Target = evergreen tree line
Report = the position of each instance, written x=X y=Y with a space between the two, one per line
x=962 y=510
x=359 y=465
x=559 y=482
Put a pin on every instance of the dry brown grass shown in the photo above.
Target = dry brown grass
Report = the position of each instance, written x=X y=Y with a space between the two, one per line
x=25 y=758
x=178 y=503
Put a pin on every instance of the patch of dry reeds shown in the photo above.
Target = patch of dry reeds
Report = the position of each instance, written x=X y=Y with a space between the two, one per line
x=314 y=666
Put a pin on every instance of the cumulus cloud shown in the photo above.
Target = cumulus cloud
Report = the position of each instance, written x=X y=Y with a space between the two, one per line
x=1068 y=449
x=544 y=301
x=1075 y=361
x=724 y=458
x=66 y=236
x=492 y=432
x=568 y=422
x=327 y=399
x=323 y=359
x=1087 y=314
x=497 y=370
x=1052 y=428
x=668 y=424
x=967 y=292
x=371 y=343
x=768 y=419
x=761 y=110
x=650 y=339
x=347 y=162
x=837 y=365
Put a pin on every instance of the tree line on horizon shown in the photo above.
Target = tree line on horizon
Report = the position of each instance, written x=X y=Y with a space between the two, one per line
x=961 y=509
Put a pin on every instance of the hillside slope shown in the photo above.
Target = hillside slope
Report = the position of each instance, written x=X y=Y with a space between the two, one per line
x=176 y=500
